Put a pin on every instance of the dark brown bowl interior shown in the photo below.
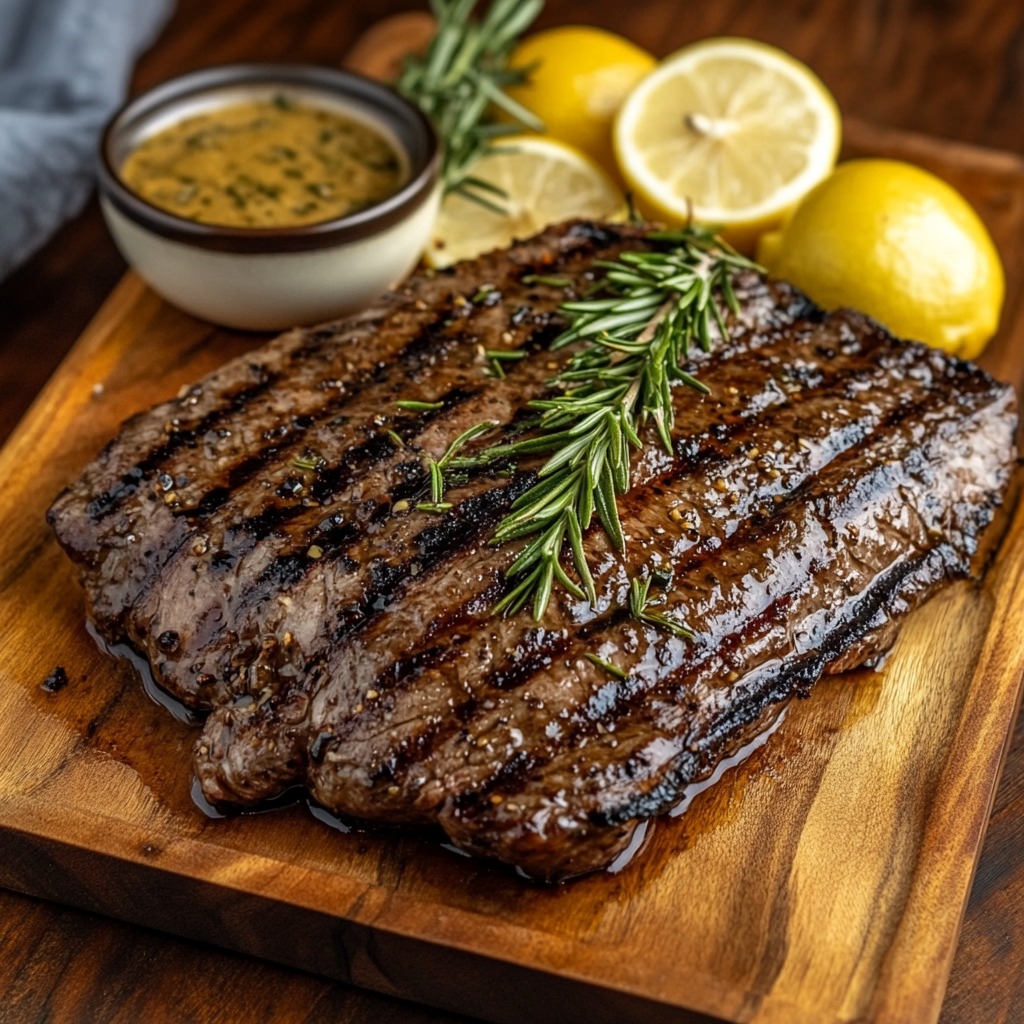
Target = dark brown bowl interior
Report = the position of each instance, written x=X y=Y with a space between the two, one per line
x=361 y=96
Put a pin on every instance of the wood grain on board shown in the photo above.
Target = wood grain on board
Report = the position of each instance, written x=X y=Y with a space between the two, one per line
x=109 y=709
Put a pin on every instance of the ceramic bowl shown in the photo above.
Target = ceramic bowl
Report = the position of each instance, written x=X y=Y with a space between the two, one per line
x=272 y=278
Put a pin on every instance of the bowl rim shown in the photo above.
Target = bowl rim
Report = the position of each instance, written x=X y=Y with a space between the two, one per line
x=299 y=238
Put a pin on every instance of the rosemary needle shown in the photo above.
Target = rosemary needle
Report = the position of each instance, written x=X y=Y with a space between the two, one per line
x=309 y=461
x=506 y=356
x=413 y=406
x=612 y=670
x=551 y=282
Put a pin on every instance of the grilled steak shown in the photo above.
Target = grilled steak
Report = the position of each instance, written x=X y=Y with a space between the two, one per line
x=257 y=539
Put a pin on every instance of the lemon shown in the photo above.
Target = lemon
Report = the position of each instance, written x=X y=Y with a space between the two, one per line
x=899 y=244
x=737 y=129
x=545 y=182
x=579 y=79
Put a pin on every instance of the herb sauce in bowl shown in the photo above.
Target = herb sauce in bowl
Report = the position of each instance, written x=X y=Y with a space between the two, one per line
x=260 y=196
x=264 y=164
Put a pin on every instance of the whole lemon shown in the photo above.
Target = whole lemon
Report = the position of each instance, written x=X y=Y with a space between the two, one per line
x=899 y=244
x=580 y=76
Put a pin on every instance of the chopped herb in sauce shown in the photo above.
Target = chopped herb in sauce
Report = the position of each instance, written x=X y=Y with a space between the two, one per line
x=264 y=165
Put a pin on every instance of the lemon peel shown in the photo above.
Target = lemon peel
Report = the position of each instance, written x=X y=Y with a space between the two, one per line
x=898 y=243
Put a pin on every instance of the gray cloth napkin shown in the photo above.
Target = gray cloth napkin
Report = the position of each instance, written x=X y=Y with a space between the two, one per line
x=64 y=69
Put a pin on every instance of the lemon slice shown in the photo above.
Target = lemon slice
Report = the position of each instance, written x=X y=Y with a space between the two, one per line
x=545 y=182
x=736 y=128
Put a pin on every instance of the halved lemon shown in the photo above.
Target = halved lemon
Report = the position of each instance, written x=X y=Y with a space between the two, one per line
x=544 y=182
x=732 y=129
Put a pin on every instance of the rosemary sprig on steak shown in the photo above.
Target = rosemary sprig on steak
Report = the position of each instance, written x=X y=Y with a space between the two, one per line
x=640 y=608
x=459 y=80
x=636 y=337
x=437 y=469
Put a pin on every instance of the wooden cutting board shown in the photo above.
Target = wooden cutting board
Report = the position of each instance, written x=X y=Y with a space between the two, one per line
x=821 y=881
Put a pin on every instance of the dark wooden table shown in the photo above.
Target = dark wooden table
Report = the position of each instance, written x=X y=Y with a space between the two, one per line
x=953 y=68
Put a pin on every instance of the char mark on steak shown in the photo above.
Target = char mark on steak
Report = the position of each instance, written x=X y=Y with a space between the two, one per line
x=266 y=523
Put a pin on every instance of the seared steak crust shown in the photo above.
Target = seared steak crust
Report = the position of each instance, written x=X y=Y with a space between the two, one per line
x=257 y=539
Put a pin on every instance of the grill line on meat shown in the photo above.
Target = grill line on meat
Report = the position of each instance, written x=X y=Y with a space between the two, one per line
x=835 y=478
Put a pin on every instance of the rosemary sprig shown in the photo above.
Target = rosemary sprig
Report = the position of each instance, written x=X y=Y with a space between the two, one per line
x=655 y=305
x=639 y=609
x=461 y=78
x=437 y=469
